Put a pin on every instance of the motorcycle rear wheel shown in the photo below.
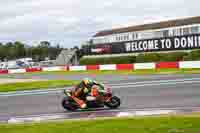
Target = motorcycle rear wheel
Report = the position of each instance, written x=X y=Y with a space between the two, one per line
x=67 y=103
x=113 y=103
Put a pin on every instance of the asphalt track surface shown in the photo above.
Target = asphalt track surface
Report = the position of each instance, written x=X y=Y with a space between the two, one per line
x=136 y=92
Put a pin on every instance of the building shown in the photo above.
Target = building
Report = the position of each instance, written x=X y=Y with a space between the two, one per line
x=172 y=35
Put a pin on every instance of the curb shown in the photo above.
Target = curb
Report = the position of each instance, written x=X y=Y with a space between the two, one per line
x=115 y=67
x=100 y=114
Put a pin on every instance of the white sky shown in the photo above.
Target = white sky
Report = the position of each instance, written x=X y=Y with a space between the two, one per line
x=72 y=22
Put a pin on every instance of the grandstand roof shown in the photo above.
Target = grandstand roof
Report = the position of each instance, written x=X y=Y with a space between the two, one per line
x=158 y=25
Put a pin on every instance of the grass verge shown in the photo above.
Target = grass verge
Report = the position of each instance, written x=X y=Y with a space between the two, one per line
x=36 y=85
x=164 y=124
x=63 y=83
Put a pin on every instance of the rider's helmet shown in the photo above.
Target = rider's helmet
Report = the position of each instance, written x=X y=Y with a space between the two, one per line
x=86 y=81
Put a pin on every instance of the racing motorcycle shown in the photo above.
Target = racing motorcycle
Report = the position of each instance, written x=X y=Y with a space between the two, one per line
x=105 y=99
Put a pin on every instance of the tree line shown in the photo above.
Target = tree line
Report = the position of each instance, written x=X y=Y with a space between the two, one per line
x=16 y=50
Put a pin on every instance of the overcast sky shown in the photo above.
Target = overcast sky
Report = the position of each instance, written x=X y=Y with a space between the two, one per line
x=72 y=22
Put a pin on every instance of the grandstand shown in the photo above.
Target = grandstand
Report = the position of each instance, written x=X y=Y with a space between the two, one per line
x=172 y=35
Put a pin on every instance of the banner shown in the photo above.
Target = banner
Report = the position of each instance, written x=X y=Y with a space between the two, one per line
x=150 y=45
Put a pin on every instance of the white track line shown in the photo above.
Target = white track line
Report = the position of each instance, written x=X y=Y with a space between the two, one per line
x=157 y=84
x=158 y=81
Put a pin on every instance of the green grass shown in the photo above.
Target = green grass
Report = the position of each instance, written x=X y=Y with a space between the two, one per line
x=63 y=83
x=169 y=124
x=36 y=85
x=136 y=72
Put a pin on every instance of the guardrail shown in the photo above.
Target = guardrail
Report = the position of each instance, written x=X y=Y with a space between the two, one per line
x=135 y=66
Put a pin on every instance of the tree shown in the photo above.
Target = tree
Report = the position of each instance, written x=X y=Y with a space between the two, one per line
x=19 y=49
x=2 y=52
x=76 y=47
x=45 y=44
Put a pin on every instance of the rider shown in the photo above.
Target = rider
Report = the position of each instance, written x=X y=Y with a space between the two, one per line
x=87 y=88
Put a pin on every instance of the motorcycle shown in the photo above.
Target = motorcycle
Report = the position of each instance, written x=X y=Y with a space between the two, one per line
x=106 y=98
